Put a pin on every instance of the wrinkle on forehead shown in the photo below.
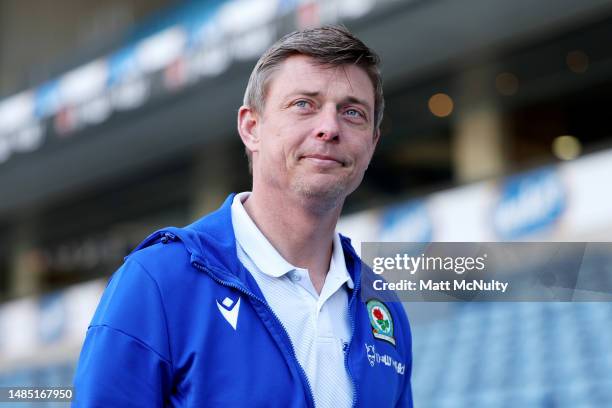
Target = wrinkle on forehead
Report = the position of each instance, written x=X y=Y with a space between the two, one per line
x=332 y=74
x=335 y=74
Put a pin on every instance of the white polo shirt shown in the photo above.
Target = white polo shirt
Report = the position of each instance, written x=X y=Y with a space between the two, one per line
x=318 y=325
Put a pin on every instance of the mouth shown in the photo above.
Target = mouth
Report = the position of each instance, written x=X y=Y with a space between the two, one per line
x=323 y=160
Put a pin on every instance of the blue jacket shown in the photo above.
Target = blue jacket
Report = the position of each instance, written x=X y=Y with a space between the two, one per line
x=158 y=337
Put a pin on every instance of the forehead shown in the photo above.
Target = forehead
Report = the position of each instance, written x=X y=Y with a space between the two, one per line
x=304 y=73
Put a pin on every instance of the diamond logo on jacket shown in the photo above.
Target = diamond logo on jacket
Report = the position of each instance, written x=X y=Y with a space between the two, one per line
x=229 y=310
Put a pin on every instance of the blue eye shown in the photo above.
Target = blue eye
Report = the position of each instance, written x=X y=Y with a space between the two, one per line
x=301 y=104
x=353 y=113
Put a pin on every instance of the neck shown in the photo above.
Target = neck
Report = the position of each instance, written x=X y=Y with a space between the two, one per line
x=302 y=231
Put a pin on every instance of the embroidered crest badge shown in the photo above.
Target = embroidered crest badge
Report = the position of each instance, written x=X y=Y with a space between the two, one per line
x=381 y=321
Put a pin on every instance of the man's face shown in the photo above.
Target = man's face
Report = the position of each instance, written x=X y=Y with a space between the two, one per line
x=316 y=135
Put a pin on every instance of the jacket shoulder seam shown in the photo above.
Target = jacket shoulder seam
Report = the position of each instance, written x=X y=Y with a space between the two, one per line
x=136 y=339
x=161 y=299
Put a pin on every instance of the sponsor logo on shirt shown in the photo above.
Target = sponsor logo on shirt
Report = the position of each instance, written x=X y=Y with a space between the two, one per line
x=375 y=358
x=229 y=310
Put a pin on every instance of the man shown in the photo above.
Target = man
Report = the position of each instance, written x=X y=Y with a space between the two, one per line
x=258 y=304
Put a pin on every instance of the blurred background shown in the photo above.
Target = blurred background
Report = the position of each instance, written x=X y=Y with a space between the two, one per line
x=118 y=117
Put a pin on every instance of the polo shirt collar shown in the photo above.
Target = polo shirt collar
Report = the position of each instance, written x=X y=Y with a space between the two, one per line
x=265 y=256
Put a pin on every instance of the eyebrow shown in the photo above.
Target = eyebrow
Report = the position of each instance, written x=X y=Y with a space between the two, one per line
x=349 y=99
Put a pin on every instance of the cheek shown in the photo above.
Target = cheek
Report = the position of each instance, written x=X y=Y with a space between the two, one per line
x=277 y=152
x=365 y=152
x=290 y=141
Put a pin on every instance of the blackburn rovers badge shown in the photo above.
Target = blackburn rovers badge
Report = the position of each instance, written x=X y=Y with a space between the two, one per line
x=381 y=321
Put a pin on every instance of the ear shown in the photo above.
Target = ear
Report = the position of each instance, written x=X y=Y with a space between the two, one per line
x=247 y=127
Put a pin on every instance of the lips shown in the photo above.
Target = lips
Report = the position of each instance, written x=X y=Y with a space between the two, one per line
x=323 y=159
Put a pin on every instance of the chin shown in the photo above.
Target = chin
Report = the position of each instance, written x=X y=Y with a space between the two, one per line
x=323 y=188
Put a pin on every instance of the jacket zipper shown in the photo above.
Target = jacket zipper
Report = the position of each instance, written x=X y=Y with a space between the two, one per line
x=265 y=304
x=346 y=353
x=348 y=348
x=352 y=319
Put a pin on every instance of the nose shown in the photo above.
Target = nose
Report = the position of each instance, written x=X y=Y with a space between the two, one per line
x=329 y=128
